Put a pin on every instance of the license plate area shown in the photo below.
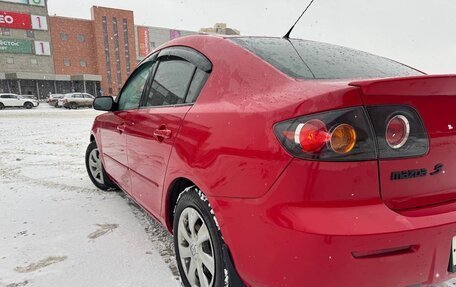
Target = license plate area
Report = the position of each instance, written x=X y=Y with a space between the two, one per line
x=452 y=267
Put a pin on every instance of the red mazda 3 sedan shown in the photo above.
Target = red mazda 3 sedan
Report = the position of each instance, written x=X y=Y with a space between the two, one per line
x=284 y=162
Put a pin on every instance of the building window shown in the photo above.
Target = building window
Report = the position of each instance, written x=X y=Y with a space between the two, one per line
x=83 y=63
x=33 y=62
x=127 y=45
x=10 y=60
x=66 y=62
x=30 y=34
x=152 y=44
x=64 y=36
x=117 y=53
x=80 y=38
x=6 y=32
x=106 y=45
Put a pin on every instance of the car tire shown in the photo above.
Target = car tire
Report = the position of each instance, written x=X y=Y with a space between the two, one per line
x=73 y=106
x=193 y=205
x=28 y=105
x=96 y=170
x=2 y=106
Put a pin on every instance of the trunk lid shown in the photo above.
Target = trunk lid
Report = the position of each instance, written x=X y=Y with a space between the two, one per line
x=434 y=98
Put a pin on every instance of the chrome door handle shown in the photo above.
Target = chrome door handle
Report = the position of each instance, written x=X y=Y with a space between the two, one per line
x=121 y=128
x=162 y=134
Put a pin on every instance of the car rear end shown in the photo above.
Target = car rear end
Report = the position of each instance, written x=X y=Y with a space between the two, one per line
x=62 y=101
x=369 y=197
x=53 y=99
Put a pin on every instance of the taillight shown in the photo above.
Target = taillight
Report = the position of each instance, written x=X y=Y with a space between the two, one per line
x=356 y=134
x=311 y=136
x=343 y=139
x=341 y=135
x=399 y=130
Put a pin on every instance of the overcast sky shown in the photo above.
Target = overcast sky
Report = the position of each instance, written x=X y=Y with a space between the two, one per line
x=421 y=33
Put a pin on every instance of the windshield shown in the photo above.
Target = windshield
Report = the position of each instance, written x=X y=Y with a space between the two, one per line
x=304 y=59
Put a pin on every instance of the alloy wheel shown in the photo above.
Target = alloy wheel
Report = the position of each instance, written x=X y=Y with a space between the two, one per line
x=196 y=249
x=96 y=168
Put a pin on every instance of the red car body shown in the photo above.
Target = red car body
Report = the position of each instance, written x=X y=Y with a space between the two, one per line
x=289 y=221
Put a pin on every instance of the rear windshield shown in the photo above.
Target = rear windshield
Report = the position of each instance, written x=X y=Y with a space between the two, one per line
x=304 y=59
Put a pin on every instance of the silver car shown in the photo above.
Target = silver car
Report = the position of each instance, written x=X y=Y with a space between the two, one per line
x=76 y=100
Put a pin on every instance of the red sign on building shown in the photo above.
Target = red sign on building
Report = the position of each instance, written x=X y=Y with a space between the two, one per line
x=15 y=20
x=143 y=41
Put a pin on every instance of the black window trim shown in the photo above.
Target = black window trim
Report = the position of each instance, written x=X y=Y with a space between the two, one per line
x=188 y=54
x=159 y=60
x=151 y=60
x=197 y=59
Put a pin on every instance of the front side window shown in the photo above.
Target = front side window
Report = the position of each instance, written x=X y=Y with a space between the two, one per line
x=171 y=82
x=133 y=89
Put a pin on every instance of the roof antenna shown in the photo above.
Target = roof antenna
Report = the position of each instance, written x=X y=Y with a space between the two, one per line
x=287 y=35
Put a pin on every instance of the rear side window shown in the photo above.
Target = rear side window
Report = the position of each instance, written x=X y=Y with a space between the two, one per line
x=303 y=59
x=199 y=79
x=171 y=82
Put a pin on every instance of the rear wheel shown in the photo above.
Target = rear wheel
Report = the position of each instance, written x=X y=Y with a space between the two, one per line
x=197 y=241
x=28 y=105
x=2 y=106
x=96 y=170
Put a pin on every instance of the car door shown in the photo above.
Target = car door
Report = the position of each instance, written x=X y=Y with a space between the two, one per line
x=153 y=130
x=16 y=101
x=112 y=133
x=88 y=100
x=5 y=100
x=79 y=99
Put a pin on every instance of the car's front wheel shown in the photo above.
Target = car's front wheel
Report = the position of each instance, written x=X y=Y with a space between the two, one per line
x=197 y=241
x=28 y=105
x=96 y=170
x=73 y=106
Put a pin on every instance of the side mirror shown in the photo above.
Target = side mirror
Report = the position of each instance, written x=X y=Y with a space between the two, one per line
x=103 y=104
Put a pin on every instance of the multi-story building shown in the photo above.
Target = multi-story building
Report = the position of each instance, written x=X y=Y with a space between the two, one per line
x=25 y=56
x=149 y=38
x=220 y=28
x=41 y=54
x=26 y=53
x=102 y=47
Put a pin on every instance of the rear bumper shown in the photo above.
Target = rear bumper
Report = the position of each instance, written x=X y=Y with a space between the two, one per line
x=271 y=254
x=285 y=240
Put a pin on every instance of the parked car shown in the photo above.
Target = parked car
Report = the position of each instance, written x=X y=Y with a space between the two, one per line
x=76 y=100
x=54 y=98
x=13 y=100
x=30 y=97
x=299 y=164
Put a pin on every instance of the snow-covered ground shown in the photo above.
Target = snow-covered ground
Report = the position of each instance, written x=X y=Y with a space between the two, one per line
x=56 y=228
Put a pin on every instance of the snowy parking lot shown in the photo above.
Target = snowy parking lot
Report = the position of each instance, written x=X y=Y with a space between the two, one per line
x=56 y=228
